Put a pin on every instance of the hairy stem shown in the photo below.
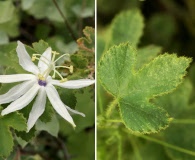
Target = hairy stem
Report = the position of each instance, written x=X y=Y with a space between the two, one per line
x=111 y=107
x=183 y=150
x=184 y=121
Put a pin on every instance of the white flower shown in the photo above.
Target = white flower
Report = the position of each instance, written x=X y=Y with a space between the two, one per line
x=38 y=83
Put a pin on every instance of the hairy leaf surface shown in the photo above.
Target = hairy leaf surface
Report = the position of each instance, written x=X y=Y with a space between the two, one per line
x=134 y=89
x=12 y=120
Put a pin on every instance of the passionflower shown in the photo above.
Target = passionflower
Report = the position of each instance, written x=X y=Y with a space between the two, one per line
x=39 y=83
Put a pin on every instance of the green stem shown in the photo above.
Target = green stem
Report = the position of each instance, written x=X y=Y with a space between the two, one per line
x=65 y=20
x=119 y=137
x=99 y=99
x=135 y=148
x=184 y=121
x=183 y=150
x=111 y=107
x=114 y=120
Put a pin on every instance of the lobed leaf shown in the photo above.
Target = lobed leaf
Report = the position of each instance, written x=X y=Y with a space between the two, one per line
x=12 y=120
x=40 y=46
x=85 y=104
x=7 y=11
x=87 y=43
x=146 y=54
x=127 y=26
x=51 y=127
x=134 y=89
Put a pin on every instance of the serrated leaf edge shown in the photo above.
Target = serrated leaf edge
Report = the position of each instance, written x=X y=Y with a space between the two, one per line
x=124 y=13
x=169 y=119
x=108 y=52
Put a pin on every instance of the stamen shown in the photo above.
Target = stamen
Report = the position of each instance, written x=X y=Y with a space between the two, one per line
x=61 y=57
x=63 y=80
x=35 y=55
x=54 y=74
x=41 y=77
x=33 y=58
x=54 y=54
x=70 y=68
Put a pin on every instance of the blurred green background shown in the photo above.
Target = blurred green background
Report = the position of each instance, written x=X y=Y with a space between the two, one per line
x=168 y=23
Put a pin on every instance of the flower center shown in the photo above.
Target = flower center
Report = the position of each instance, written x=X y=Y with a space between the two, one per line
x=42 y=82
x=51 y=67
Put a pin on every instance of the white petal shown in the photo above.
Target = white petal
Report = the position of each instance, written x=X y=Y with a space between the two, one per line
x=25 y=60
x=15 y=92
x=58 y=104
x=73 y=84
x=16 y=78
x=22 y=101
x=74 y=111
x=45 y=60
x=37 y=109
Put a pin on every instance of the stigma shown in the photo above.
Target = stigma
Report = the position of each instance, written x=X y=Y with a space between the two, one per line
x=42 y=82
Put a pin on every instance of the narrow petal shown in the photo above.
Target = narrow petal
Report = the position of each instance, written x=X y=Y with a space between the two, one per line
x=37 y=109
x=25 y=60
x=16 y=78
x=74 y=111
x=45 y=60
x=73 y=84
x=58 y=104
x=22 y=101
x=15 y=92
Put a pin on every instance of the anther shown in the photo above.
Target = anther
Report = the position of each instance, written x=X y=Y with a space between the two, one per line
x=71 y=69
x=33 y=58
x=54 y=52
x=63 y=80
x=41 y=77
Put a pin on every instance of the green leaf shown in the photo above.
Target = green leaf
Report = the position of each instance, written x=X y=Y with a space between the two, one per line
x=86 y=105
x=48 y=113
x=83 y=12
x=12 y=120
x=127 y=26
x=26 y=136
x=4 y=53
x=146 y=54
x=82 y=148
x=133 y=90
x=178 y=101
x=68 y=97
x=182 y=135
x=40 y=46
x=3 y=37
x=45 y=9
x=87 y=43
x=100 y=46
x=11 y=27
x=7 y=10
x=51 y=127
x=79 y=61
x=26 y=4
